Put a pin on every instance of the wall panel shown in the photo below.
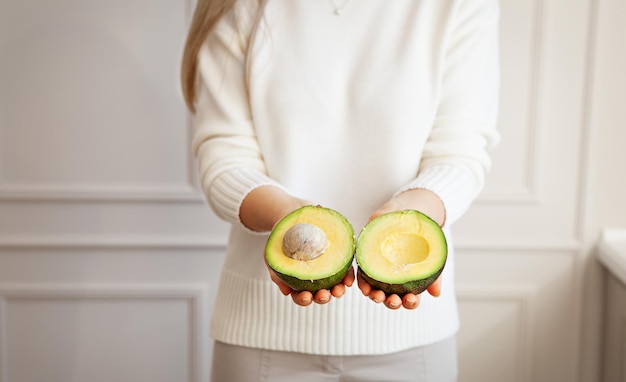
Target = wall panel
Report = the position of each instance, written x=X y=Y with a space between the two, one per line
x=100 y=333
x=531 y=196
x=87 y=86
x=505 y=317
x=101 y=215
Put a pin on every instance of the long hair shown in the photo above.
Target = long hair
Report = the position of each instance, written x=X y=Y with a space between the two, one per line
x=205 y=17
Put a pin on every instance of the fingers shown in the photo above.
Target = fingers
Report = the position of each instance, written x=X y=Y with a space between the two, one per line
x=338 y=290
x=378 y=296
x=364 y=286
x=304 y=298
x=375 y=295
x=348 y=279
x=284 y=288
x=322 y=296
x=410 y=301
x=393 y=302
x=435 y=288
x=390 y=206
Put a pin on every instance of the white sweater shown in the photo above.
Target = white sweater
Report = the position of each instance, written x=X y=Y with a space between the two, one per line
x=344 y=111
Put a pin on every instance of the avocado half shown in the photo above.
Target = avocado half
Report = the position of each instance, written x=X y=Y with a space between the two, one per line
x=312 y=248
x=401 y=252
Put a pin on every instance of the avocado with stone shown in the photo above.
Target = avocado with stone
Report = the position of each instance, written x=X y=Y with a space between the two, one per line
x=311 y=248
x=401 y=252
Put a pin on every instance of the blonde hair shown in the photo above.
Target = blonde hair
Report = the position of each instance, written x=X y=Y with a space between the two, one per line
x=205 y=17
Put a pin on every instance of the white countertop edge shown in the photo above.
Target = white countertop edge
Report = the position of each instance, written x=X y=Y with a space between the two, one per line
x=612 y=252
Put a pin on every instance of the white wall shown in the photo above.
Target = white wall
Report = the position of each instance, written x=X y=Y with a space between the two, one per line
x=102 y=221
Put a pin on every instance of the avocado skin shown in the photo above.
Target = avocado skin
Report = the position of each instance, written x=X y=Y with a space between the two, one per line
x=415 y=286
x=314 y=285
x=327 y=282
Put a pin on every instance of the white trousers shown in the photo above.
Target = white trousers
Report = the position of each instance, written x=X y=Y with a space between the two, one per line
x=431 y=363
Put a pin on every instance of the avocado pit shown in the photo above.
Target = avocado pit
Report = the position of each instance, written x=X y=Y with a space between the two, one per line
x=329 y=243
x=304 y=242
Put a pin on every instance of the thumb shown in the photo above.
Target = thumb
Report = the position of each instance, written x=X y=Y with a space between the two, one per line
x=386 y=208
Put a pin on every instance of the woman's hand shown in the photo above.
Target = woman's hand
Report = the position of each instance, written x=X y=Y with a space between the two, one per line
x=261 y=210
x=417 y=199
x=424 y=201
x=323 y=296
x=393 y=301
x=265 y=206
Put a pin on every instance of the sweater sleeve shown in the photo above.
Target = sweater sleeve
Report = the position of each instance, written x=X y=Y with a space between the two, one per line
x=455 y=158
x=224 y=141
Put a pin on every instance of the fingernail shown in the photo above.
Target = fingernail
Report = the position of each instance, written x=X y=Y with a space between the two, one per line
x=394 y=305
x=324 y=299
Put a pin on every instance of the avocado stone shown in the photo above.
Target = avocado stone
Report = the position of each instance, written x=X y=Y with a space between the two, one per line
x=329 y=258
x=401 y=252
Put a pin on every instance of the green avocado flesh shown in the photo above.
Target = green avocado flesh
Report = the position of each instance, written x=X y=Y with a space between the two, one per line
x=312 y=248
x=401 y=252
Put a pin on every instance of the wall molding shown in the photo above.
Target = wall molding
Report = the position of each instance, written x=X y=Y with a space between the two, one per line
x=195 y=295
x=100 y=193
x=530 y=191
x=518 y=244
x=113 y=241
x=533 y=172
x=188 y=191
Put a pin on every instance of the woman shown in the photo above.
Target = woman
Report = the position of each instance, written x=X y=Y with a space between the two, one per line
x=362 y=107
